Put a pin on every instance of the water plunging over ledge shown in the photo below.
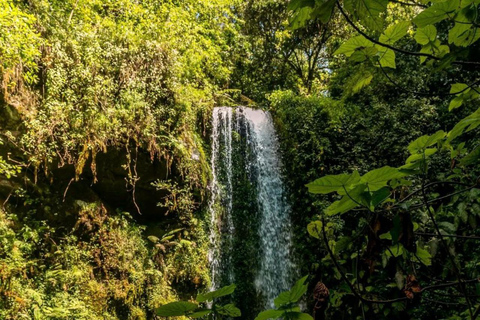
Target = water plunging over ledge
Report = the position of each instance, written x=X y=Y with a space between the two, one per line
x=250 y=217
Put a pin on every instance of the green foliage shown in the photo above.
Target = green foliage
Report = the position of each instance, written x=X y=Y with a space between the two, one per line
x=287 y=304
x=103 y=269
x=194 y=311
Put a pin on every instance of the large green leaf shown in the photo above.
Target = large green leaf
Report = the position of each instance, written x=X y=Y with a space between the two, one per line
x=348 y=202
x=298 y=4
x=420 y=144
x=368 y=12
x=436 y=13
x=293 y=295
x=200 y=313
x=464 y=33
x=323 y=11
x=269 y=314
x=314 y=229
x=395 y=32
x=209 y=296
x=352 y=44
x=229 y=310
x=386 y=57
x=364 y=80
x=378 y=178
x=333 y=183
x=467 y=124
x=300 y=18
x=426 y=35
x=298 y=316
x=175 y=309
x=471 y=158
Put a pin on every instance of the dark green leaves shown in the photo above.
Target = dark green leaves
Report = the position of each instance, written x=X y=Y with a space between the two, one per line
x=229 y=310
x=293 y=295
x=465 y=125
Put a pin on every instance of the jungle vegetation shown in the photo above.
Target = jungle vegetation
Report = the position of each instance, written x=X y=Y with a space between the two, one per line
x=104 y=143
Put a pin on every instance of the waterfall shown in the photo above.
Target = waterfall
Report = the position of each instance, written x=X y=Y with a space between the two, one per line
x=250 y=222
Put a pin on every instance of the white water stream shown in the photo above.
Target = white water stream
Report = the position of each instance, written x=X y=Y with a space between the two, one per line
x=274 y=272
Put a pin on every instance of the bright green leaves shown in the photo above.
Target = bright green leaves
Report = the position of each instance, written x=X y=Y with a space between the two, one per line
x=378 y=178
x=436 y=13
x=395 y=32
x=314 y=229
x=334 y=183
x=465 y=125
x=421 y=149
x=368 y=12
x=465 y=32
x=293 y=295
x=192 y=310
x=175 y=309
x=209 y=296
x=426 y=35
x=386 y=57
x=269 y=314
x=369 y=190
x=359 y=48
x=423 y=256
x=286 y=304
x=421 y=144
x=464 y=93
x=353 y=44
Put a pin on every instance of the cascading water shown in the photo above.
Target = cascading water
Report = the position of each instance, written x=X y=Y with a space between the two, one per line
x=250 y=224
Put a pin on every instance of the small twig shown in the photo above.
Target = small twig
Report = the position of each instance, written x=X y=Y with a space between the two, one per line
x=66 y=189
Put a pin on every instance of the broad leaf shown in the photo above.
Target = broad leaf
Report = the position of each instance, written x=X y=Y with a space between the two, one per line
x=467 y=124
x=348 y=202
x=436 y=13
x=229 y=310
x=269 y=314
x=471 y=158
x=426 y=35
x=323 y=11
x=200 y=313
x=314 y=229
x=368 y=12
x=298 y=316
x=209 y=296
x=395 y=32
x=378 y=178
x=175 y=309
x=300 y=18
x=352 y=44
x=386 y=57
x=420 y=144
x=424 y=256
x=333 y=183
x=293 y=295
x=363 y=81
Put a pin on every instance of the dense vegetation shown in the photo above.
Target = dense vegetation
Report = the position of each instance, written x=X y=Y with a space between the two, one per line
x=104 y=140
